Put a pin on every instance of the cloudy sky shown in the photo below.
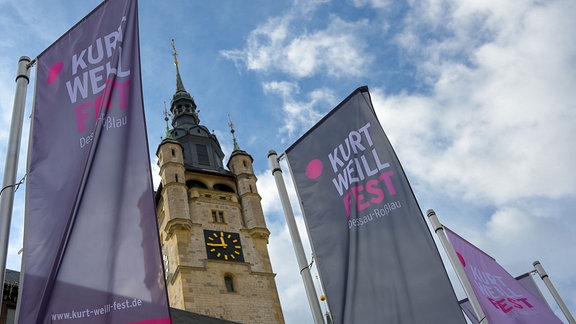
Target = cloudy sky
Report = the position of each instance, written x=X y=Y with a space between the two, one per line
x=477 y=98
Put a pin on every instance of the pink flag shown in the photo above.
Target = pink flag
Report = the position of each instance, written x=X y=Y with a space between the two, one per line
x=501 y=297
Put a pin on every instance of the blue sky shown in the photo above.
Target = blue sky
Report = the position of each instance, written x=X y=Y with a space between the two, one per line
x=477 y=98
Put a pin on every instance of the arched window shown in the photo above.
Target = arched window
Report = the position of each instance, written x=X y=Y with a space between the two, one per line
x=229 y=282
x=195 y=184
x=223 y=187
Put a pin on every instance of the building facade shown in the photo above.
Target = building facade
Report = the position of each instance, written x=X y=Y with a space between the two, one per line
x=212 y=228
x=9 y=297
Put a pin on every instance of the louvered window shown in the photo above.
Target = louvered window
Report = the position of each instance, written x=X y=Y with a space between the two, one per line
x=202 y=152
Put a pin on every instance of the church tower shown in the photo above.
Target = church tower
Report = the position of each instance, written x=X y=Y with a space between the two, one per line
x=212 y=228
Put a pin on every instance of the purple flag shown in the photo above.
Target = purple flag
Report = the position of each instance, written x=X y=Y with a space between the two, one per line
x=374 y=252
x=91 y=247
x=525 y=280
x=502 y=298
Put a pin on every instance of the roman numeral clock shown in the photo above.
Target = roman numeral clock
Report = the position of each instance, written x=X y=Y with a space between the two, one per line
x=223 y=246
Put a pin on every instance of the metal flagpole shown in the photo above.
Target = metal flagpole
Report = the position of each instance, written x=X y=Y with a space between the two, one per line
x=296 y=241
x=11 y=166
x=553 y=291
x=439 y=230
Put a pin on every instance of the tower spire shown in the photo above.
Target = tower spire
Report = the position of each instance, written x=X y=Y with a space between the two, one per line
x=236 y=147
x=166 y=119
x=182 y=106
x=179 y=83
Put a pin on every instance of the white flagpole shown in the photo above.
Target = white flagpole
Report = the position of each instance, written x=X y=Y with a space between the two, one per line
x=11 y=166
x=553 y=291
x=296 y=241
x=439 y=230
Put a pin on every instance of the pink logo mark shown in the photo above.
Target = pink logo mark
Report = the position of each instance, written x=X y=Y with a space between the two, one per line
x=461 y=258
x=314 y=169
x=54 y=72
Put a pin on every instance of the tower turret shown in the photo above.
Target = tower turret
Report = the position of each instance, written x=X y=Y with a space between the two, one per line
x=240 y=163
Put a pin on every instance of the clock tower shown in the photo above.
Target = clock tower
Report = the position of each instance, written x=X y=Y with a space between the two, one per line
x=212 y=228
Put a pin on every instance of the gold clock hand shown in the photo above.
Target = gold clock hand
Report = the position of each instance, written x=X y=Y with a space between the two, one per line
x=223 y=243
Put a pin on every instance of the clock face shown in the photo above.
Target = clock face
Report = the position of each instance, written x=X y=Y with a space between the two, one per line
x=223 y=246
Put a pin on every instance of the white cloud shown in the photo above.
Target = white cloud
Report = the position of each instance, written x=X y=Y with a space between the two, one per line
x=299 y=115
x=500 y=129
x=279 y=46
x=379 y=4
x=337 y=50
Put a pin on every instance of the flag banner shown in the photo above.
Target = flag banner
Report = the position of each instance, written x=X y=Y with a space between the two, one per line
x=502 y=298
x=525 y=280
x=91 y=247
x=375 y=255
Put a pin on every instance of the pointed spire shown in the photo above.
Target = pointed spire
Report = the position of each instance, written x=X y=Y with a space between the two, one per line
x=237 y=152
x=179 y=83
x=236 y=147
x=167 y=116
x=182 y=106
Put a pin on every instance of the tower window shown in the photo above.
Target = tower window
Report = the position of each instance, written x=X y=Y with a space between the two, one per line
x=229 y=283
x=176 y=177
x=244 y=162
x=218 y=216
x=173 y=152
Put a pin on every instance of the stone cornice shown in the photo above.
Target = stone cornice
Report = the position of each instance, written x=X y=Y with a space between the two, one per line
x=177 y=224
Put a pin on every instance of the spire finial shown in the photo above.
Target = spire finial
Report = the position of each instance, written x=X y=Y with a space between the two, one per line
x=167 y=116
x=236 y=147
x=179 y=84
x=174 y=53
